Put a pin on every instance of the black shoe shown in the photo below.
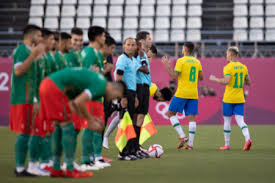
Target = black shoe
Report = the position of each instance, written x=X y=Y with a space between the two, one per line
x=24 y=174
x=143 y=154
x=127 y=157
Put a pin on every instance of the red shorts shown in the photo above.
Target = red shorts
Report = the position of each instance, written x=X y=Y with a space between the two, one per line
x=96 y=109
x=54 y=104
x=21 y=118
x=78 y=121
x=39 y=127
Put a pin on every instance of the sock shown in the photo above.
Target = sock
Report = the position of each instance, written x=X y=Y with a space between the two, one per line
x=35 y=148
x=44 y=151
x=49 y=147
x=137 y=130
x=56 y=147
x=97 y=144
x=21 y=149
x=76 y=132
x=112 y=126
x=243 y=126
x=68 y=144
x=227 y=130
x=87 y=146
x=192 y=131
x=20 y=169
x=176 y=124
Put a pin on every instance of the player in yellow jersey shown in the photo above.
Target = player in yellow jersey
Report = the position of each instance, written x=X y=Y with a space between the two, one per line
x=187 y=70
x=235 y=76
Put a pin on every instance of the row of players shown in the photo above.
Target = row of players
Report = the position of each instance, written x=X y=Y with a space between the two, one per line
x=57 y=89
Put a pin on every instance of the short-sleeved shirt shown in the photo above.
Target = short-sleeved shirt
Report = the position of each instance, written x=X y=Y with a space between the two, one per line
x=42 y=70
x=153 y=89
x=60 y=60
x=82 y=79
x=73 y=58
x=147 y=77
x=234 y=89
x=91 y=56
x=128 y=66
x=23 y=87
x=188 y=68
x=139 y=76
x=52 y=63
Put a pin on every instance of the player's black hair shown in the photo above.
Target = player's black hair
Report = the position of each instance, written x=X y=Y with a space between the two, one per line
x=29 y=29
x=95 y=31
x=77 y=31
x=166 y=93
x=190 y=46
x=65 y=35
x=142 y=35
x=56 y=36
x=154 y=49
x=46 y=33
x=110 y=41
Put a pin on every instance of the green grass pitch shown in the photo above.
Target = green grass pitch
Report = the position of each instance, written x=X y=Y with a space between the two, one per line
x=205 y=164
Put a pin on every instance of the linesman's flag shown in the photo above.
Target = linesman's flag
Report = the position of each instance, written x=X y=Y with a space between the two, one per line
x=125 y=131
x=147 y=130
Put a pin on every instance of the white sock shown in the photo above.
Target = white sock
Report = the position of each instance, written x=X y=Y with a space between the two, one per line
x=243 y=126
x=20 y=169
x=176 y=124
x=192 y=131
x=112 y=126
x=98 y=158
x=32 y=165
x=227 y=129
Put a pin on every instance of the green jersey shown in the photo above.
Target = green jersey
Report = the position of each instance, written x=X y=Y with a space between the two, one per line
x=91 y=56
x=73 y=58
x=23 y=87
x=82 y=80
x=52 y=63
x=60 y=60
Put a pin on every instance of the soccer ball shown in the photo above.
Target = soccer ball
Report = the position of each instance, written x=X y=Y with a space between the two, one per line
x=155 y=151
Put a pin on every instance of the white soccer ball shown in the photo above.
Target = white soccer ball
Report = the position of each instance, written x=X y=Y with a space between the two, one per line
x=155 y=151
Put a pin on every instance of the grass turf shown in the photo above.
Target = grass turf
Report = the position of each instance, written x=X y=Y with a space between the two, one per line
x=203 y=164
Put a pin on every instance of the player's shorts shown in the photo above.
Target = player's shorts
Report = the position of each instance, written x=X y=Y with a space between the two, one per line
x=189 y=106
x=229 y=109
x=96 y=109
x=21 y=118
x=78 y=121
x=54 y=104
x=143 y=94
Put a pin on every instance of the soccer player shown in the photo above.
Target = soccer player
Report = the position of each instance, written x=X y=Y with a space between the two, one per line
x=187 y=70
x=152 y=52
x=74 y=57
x=92 y=58
x=55 y=105
x=23 y=85
x=64 y=46
x=235 y=76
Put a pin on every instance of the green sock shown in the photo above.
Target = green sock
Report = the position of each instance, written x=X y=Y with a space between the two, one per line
x=76 y=135
x=97 y=144
x=21 y=149
x=87 y=147
x=44 y=150
x=68 y=144
x=49 y=147
x=56 y=147
x=34 y=148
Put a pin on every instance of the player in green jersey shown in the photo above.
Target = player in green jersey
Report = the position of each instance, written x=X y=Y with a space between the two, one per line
x=23 y=85
x=65 y=45
x=55 y=105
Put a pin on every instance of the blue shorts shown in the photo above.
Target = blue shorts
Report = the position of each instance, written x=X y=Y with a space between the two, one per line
x=189 y=106
x=229 y=109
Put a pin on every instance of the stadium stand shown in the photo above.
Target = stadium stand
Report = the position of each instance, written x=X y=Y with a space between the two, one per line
x=211 y=22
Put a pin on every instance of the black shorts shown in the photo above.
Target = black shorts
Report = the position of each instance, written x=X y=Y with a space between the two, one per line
x=143 y=93
x=131 y=98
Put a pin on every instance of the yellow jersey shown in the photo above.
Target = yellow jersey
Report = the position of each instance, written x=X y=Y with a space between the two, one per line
x=153 y=89
x=189 y=68
x=234 y=89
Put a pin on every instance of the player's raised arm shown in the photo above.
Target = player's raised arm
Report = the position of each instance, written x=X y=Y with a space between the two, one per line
x=247 y=80
x=223 y=81
x=166 y=62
